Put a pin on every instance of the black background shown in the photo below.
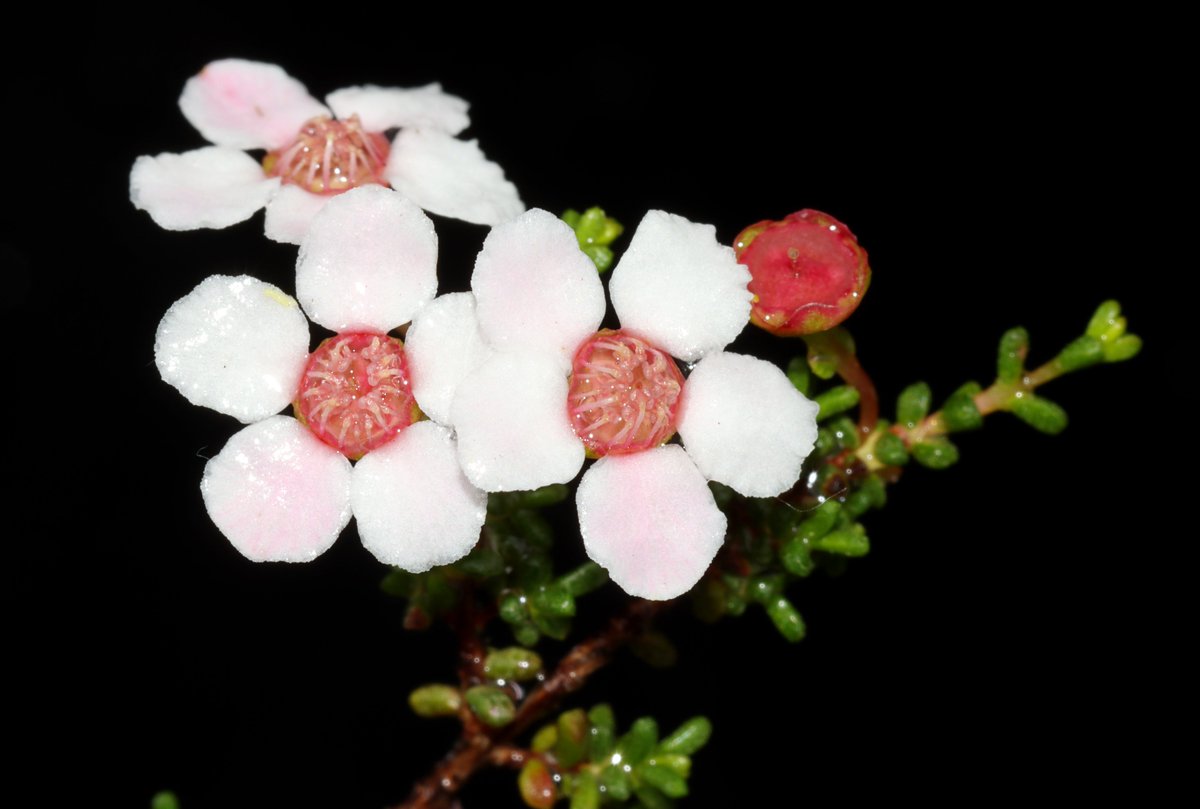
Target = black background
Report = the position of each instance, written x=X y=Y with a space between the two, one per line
x=1008 y=632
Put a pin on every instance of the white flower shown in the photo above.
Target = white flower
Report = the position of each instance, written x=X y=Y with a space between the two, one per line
x=276 y=490
x=238 y=104
x=645 y=511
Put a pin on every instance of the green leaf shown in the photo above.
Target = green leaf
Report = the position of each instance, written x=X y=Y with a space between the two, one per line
x=640 y=739
x=678 y=764
x=513 y=607
x=786 y=619
x=553 y=600
x=836 y=400
x=526 y=634
x=845 y=432
x=664 y=779
x=435 y=700
x=483 y=563
x=765 y=588
x=960 y=413
x=585 y=792
x=573 y=737
x=1010 y=357
x=688 y=737
x=571 y=217
x=615 y=782
x=1123 y=348
x=820 y=521
x=554 y=626
x=492 y=706
x=798 y=373
x=796 y=557
x=164 y=800
x=544 y=739
x=651 y=798
x=913 y=404
x=601 y=738
x=583 y=579
x=1106 y=316
x=1040 y=414
x=536 y=785
x=849 y=541
x=534 y=528
x=890 y=449
x=1081 y=352
x=600 y=254
x=935 y=453
x=513 y=663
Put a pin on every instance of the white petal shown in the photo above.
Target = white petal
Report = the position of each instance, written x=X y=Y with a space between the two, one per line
x=247 y=105
x=451 y=177
x=650 y=520
x=277 y=493
x=511 y=418
x=237 y=345
x=535 y=290
x=413 y=506
x=746 y=425
x=380 y=108
x=443 y=345
x=213 y=187
x=368 y=262
x=291 y=212
x=678 y=287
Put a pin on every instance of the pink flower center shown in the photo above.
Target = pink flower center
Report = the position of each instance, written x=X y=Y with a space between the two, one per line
x=624 y=394
x=329 y=157
x=355 y=395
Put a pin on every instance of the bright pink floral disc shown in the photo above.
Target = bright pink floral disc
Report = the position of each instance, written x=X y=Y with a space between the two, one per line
x=355 y=393
x=624 y=394
x=330 y=156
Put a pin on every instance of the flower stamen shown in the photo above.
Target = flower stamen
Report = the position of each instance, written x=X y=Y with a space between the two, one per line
x=330 y=156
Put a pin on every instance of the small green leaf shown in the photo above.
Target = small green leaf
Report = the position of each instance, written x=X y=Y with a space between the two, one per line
x=935 y=453
x=601 y=734
x=1106 y=316
x=678 y=764
x=600 y=254
x=786 y=619
x=553 y=626
x=1123 y=348
x=513 y=663
x=640 y=739
x=820 y=521
x=573 y=737
x=583 y=579
x=845 y=432
x=651 y=798
x=544 y=739
x=164 y=800
x=765 y=588
x=836 y=400
x=482 y=563
x=688 y=737
x=492 y=706
x=571 y=217
x=435 y=700
x=960 y=413
x=513 y=607
x=796 y=557
x=1040 y=414
x=615 y=782
x=553 y=599
x=536 y=785
x=890 y=449
x=913 y=404
x=534 y=528
x=526 y=634
x=590 y=227
x=664 y=779
x=1081 y=352
x=1010 y=357
x=849 y=541
x=798 y=373
x=585 y=792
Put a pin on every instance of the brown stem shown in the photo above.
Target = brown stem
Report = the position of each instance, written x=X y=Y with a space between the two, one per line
x=853 y=374
x=479 y=746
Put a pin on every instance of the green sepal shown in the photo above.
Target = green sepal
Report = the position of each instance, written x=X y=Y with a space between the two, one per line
x=537 y=786
x=651 y=798
x=686 y=739
x=786 y=619
x=583 y=579
x=615 y=782
x=836 y=400
x=482 y=563
x=912 y=404
x=513 y=663
x=585 y=792
x=1081 y=352
x=435 y=699
x=664 y=779
x=890 y=449
x=959 y=413
x=1040 y=414
x=1123 y=348
x=849 y=541
x=654 y=649
x=935 y=453
x=602 y=733
x=1010 y=356
x=573 y=736
x=544 y=739
x=799 y=375
x=639 y=740
x=492 y=706
x=164 y=800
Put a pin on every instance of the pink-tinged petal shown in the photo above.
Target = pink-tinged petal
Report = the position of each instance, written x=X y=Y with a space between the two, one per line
x=451 y=177
x=745 y=424
x=443 y=346
x=290 y=214
x=247 y=105
x=213 y=187
x=237 y=345
x=277 y=493
x=413 y=506
x=678 y=287
x=650 y=520
x=535 y=290
x=511 y=418
x=368 y=261
x=382 y=108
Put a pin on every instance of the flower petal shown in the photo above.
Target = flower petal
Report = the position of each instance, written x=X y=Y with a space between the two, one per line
x=451 y=177
x=237 y=345
x=381 y=108
x=650 y=520
x=746 y=425
x=213 y=187
x=678 y=287
x=413 y=506
x=247 y=105
x=535 y=289
x=368 y=261
x=290 y=213
x=511 y=418
x=277 y=493
x=443 y=345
